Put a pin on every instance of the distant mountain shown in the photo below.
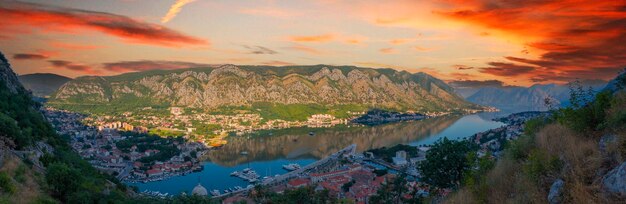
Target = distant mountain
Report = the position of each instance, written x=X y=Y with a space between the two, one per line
x=526 y=98
x=43 y=84
x=221 y=86
x=617 y=83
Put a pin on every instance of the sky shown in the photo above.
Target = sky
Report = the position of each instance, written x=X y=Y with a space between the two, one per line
x=479 y=41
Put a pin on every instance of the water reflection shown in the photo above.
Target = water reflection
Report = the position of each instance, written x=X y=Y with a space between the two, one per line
x=267 y=153
x=297 y=143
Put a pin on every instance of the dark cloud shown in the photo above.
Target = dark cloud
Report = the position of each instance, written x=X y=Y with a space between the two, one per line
x=27 y=56
x=462 y=67
x=577 y=39
x=73 y=66
x=260 y=50
x=51 y=19
x=506 y=69
x=476 y=83
x=144 y=65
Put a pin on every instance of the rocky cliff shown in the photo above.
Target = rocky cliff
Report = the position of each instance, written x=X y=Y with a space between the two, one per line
x=230 y=85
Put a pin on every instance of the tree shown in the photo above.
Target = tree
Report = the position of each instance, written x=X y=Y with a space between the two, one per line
x=62 y=180
x=391 y=192
x=446 y=162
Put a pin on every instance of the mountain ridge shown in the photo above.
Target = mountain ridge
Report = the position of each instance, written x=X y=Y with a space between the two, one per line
x=234 y=85
x=42 y=84
x=520 y=98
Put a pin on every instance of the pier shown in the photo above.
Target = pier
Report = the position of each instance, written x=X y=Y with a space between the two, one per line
x=350 y=150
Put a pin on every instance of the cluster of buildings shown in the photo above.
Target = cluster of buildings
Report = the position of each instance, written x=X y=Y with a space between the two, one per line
x=324 y=120
x=493 y=140
x=345 y=175
x=178 y=121
x=99 y=146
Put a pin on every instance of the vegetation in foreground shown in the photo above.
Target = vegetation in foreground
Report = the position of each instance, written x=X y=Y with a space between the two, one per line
x=563 y=147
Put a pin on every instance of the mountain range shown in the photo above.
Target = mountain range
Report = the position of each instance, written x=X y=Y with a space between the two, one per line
x=221 y=86
x=517 y=98
x=43 y=84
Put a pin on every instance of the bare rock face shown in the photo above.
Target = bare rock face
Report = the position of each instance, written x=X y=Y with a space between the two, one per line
x=615 y=181
x=230 y=85
x=555 y=196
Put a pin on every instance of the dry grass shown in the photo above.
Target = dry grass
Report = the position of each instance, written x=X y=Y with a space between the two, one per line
x=28 y=191
x=463 y=196
x=581 y=164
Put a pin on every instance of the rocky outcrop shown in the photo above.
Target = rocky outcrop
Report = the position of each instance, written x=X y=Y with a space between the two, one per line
x=555 y=196
x=8 y=77
x=230 y=85
x=614 y=182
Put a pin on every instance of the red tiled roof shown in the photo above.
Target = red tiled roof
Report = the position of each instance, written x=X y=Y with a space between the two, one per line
x=154 y=171
x=299 y=182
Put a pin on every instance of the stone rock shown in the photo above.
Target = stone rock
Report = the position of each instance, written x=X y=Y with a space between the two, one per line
x=615 y=181
x=605 y=141
x=556 y=192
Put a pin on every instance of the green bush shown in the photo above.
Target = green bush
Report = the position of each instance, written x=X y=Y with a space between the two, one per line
x=62 y=180
x=20 y=173
x=540 y=165
x=6 y=184
x=446 y=162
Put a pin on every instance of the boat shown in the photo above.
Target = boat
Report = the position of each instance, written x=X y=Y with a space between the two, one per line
x=311 y=133
x=215 y=192
x=238 y=188
x=291 y=167
x=235 y=173
x=246 y=170
x=226 y=191
x=253 y=180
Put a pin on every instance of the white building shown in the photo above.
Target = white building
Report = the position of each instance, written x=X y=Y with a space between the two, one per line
x=400 y=158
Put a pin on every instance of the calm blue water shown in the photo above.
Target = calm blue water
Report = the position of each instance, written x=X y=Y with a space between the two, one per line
x=267 y=154
x=218 y=177
x=464 y=127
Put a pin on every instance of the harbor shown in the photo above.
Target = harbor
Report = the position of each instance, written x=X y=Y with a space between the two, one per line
x=269 y=155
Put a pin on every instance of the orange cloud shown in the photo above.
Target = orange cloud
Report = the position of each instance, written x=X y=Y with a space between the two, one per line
x=17 y=15
x=306 y=49
x=72 y=46
x=574 y=39
x=388 y=50
x=73 y=66
x=144 y=65
x=312 y=38
x=400 y=41
x=421 y=49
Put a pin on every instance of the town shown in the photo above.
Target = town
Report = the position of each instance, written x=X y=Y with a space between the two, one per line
x=128 y=153
x=144 y=148
x=359 y=176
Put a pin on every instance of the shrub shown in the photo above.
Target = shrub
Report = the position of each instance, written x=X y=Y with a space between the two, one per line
x=20 y=173
x=446 y=162
x=62 y=180
x=540 y=165
x=6 y=184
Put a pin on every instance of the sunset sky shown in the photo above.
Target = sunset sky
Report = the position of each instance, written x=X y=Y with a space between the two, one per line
x=515 y=42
